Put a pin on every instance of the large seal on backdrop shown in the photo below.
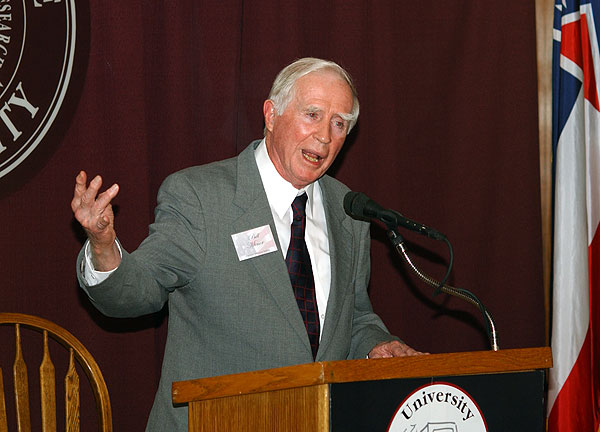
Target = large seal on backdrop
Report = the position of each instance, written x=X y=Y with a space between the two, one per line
x=37 y=50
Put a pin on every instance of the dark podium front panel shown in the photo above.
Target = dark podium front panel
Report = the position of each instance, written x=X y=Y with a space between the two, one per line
x=507 y=402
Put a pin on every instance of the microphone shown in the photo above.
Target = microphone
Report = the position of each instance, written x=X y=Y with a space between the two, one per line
x=359 y=206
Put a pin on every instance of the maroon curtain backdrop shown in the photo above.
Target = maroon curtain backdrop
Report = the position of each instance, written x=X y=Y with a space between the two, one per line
x=447 y=135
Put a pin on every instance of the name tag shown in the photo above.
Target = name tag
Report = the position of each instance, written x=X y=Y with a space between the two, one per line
x=254 y=242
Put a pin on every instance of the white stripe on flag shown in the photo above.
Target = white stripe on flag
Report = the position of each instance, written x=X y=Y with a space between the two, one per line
x=571 y=282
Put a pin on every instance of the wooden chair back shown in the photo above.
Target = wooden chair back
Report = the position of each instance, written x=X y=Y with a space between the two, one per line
x=77 y=352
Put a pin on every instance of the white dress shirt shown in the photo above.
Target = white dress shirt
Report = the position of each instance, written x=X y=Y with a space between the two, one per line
x=280 y=194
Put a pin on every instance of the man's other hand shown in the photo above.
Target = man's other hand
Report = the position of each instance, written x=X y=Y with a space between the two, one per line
x=393 y=349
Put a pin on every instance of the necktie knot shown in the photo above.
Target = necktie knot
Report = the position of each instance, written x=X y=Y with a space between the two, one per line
x=299 y=207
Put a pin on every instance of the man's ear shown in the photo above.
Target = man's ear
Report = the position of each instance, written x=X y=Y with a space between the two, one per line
x=269 y=114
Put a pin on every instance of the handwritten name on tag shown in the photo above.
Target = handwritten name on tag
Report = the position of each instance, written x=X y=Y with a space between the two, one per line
x=254 y=242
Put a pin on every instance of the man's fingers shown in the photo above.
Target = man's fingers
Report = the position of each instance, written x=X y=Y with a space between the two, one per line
x=402 y=350
x=94 y=187
x=93 y=210
x=106 y=197
x=98 y=203
x=80 y=182
x=88 y=197
x=393 y=349
x=80 y=187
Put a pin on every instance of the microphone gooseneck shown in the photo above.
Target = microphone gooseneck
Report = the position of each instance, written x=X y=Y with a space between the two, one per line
x=358 y=206
x=461 y=293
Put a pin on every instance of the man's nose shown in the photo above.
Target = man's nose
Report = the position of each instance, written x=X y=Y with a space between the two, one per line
x=323 y=134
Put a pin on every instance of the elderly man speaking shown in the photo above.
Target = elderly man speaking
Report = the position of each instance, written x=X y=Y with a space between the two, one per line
x=258 y=261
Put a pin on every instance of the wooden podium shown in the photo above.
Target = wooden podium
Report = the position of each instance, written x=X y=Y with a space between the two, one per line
x=508 y=387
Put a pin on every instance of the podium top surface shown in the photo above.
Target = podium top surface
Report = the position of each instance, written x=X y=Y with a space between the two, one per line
x=304 y=375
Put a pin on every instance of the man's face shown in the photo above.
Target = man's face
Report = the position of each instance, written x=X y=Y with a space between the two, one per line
x=305 y=139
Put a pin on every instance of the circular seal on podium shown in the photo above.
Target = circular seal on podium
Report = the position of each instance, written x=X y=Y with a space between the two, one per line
x=438 y=407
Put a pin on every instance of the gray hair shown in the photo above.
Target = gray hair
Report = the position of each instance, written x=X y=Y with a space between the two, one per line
x=282 y=91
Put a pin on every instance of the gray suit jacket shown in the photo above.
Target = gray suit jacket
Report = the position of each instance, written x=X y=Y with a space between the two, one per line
x=226 y=315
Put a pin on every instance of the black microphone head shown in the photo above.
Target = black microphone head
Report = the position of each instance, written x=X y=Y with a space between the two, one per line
x=355 y=204
x=361 y=207
x=348 y=198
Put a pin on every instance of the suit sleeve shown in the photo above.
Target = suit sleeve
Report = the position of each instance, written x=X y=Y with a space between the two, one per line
x=367 y=328
x=168 y=259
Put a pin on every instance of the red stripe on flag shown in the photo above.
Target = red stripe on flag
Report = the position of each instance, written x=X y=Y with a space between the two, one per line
x=575 y=45
x=589 y=76
x=570 y=42
x=594 y=269
x=572 y=410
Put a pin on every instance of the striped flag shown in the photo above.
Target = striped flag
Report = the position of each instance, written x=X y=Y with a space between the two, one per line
x=574 y=387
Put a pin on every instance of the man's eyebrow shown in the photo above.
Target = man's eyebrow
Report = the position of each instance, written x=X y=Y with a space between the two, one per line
x=346 y=116
x=312 y=108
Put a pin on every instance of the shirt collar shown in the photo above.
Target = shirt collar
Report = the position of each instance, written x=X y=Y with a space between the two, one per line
x=280 y=192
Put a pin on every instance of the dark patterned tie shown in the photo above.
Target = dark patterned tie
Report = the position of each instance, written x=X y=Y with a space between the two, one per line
x=301 y=275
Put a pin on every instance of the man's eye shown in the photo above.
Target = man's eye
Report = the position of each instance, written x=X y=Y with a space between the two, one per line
x=340 y=124
x=312 y=114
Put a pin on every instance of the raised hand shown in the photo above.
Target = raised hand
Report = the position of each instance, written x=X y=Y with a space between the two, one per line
x=94 y=212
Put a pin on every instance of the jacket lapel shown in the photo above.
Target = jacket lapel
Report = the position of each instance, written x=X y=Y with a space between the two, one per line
x=254 y=212
x=340 y=252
